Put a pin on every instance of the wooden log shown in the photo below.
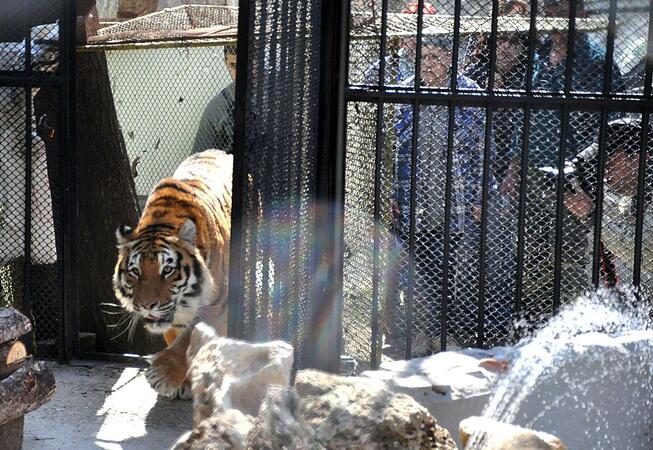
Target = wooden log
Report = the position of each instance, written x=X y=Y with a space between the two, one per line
x=12 y=356
x=25 y=390
x=13 y=325
x=11 y=434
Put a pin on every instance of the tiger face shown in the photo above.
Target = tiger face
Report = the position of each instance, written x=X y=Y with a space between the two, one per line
x=161 y=276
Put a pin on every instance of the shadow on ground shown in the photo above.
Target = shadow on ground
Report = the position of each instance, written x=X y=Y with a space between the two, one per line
x=109 y=406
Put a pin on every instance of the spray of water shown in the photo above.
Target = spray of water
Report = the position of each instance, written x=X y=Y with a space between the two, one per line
x=551 y=353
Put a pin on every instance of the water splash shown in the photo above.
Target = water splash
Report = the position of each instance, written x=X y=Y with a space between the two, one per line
x=549 y=372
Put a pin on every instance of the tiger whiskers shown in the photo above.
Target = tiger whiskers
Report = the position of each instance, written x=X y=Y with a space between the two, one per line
x=126 y=324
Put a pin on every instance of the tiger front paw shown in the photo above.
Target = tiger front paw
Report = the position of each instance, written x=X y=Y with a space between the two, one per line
x=165 y=389
x=167 y=374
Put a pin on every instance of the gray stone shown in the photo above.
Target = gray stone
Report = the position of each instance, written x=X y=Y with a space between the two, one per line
x=224 y=430
x=450 y=385
x=232 y=374
x=501 y=436
x=279 y=424
x=229 y=381
x=355 y=412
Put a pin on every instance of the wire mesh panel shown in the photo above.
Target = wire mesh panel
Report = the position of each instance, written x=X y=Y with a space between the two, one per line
x=280 y=168
x=488 y=146
x=30 y=162
x=186 y=103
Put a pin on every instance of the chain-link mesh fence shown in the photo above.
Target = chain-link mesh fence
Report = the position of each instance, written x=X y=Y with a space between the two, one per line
x=469 y=221
x=280 y=163
x=30 y=182
x=185 y=104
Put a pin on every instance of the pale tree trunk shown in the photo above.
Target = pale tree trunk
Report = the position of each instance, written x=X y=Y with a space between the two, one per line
x=107 y=199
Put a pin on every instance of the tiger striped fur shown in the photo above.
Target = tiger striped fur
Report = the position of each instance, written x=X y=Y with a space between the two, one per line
x=173 y=267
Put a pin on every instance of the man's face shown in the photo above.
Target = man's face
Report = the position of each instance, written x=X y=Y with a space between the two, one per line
x=621 y=173
x=436 y=63
x=557 y=9
x=230 y=61
x=508 y=50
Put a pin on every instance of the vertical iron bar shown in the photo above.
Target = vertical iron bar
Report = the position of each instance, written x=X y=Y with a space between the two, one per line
x=521 y=219
x=411 y=232
x=493 y=45
x=486 y=179
x=413 y=182
x=523 y=176
x=237 y=248
x=598 y=206
x=560 y=180
x=609 y=49
x=383 y=48
x=447 y=226
x=607 y=88
x=28 y=38
x=298 y=164
x=325 y=336
x=380 y=144
x=418 y=46
x=286 y=287
x=69 y=321
x=641 y=198
x=532 y=40
x=259 y=113
x=489 y=116
x=456 y=45
x=276 y=191
x=571 y=47
x=27 y=263
x=643 y=160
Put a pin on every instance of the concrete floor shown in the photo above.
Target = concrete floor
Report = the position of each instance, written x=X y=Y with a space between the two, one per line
x=108 y=406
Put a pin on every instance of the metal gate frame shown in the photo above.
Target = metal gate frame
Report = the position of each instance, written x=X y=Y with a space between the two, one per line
x=64 y=82
x=565 y=101
x=336 y=94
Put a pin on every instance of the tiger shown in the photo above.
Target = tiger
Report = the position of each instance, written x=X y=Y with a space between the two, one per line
x=172 y=269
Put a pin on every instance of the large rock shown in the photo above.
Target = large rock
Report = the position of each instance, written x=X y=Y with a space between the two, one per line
x=450 y=385
x=502 y=436
x=231 y=374
x=230 y=379
x=595 y=392
x=242 y=400
x=355 y=412
x=280 y=425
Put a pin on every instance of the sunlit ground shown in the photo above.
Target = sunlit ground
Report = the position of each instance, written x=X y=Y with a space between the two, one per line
x=106 y=406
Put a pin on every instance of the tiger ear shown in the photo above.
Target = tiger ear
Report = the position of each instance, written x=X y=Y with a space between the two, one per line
x=123 y=234
x=187 y=232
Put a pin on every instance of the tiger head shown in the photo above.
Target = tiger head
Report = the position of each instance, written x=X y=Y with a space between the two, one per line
x=161 y=275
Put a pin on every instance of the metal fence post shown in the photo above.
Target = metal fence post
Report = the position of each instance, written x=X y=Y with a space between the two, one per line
x=324 y=326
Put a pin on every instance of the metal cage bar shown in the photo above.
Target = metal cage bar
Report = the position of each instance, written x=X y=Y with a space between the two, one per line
x=643 y=160
x=237 y=249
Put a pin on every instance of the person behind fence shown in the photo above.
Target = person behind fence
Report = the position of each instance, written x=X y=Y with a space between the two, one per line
x=538 y=286
x=510 y=74
x=622 y=151
x=400 y=61
x=431 y=169
x=216 y=127
x=400 y=66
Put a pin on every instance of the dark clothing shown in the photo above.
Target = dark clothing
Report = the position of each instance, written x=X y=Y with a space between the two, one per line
x=587 y=76
x=216 y=128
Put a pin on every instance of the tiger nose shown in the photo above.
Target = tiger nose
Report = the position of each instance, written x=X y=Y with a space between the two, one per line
x=149 y=304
